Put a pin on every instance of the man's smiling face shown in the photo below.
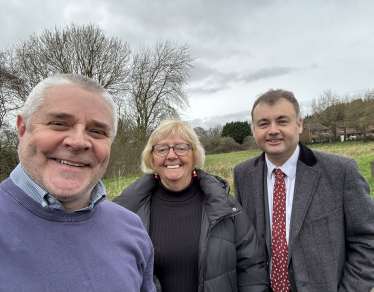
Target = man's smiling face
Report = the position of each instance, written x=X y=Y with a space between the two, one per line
x=276 y=129
x=67 y=147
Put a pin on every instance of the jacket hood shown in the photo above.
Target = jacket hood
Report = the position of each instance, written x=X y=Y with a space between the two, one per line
x=218 y=201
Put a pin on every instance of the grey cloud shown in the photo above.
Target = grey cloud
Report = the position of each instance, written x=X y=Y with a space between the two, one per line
x=211 y=122
x=208 y=26
x=205 y=90
x=215 y=80
x=305 y=107
x=267 y=73
x=202 y=71
x=238 y=116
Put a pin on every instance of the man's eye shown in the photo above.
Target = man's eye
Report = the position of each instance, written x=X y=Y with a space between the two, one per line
x=98 y=133
x=58 y=124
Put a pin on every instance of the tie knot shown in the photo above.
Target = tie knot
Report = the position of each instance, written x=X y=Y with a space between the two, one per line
x=279 y=174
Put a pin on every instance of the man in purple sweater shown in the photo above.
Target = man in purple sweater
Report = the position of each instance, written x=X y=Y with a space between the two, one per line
x=57 y=231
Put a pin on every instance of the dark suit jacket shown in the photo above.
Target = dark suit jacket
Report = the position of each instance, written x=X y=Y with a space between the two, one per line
x=331 y=240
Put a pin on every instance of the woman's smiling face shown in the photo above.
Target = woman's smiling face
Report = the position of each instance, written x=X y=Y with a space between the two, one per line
x=175 y=171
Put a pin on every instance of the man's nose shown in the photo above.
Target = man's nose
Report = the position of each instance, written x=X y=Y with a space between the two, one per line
x=77 y=138
x=273 y=128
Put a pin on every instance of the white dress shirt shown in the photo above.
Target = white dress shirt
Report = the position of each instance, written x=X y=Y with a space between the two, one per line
x=289 y=168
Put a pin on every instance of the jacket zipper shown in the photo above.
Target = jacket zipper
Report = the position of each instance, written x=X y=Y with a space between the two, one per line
x=203 y=260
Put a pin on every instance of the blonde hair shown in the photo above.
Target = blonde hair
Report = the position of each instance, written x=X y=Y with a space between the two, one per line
x=173 y=128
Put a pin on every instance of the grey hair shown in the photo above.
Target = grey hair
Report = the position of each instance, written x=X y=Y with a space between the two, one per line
x=173 y=128
x=36 y=97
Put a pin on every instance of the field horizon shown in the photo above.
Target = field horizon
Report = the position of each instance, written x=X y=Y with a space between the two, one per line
x=223 y=164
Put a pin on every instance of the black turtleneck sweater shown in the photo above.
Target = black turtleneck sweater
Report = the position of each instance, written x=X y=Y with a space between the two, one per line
x=175 y=233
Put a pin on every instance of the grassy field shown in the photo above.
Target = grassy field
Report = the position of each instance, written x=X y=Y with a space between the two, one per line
x=223 y=164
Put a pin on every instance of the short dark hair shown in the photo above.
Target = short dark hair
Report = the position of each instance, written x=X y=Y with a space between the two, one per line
x=271 y=96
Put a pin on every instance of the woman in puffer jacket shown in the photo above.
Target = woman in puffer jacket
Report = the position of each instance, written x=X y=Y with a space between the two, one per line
x=203 y=239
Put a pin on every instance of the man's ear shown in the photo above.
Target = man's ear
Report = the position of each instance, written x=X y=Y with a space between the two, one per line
x=21 y=125
x=300 y=126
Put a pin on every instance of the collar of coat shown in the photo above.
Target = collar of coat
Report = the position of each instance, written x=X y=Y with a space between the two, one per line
x=218 y=203
x=306 y=156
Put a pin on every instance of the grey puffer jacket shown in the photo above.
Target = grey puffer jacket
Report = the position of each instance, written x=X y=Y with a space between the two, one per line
x=229 y=255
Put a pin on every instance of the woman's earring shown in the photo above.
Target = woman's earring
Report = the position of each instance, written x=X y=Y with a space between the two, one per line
x=156 y=176
x=194 y=175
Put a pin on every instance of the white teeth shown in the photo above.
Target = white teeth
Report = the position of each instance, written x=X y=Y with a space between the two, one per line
x=173 y=166
x=274 y=140
x=69 y=163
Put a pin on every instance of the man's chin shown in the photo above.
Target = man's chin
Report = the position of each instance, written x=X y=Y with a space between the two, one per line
x=66 y=189
x=274 y=149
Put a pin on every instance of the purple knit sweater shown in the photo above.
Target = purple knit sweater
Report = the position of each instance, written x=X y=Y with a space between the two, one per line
x=41 y=249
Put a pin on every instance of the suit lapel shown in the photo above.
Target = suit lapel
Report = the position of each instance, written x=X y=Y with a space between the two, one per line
x=267 y=215
x=305 y=187
x=257 y=208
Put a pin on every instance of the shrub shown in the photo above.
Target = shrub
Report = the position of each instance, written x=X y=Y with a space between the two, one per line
x=8 y=161
x=217 y=145
x=237 y=130
x=249 y=143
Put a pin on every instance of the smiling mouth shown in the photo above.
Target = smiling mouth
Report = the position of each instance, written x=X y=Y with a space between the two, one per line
x=173 y=166
x=70 y=163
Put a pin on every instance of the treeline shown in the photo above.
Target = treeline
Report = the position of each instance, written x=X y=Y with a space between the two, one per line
x=233 y=136
x=331 y=110
x=147 y=84
x=335 y=111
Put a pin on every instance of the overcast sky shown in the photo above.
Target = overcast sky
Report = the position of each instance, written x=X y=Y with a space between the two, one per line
x=243 y=47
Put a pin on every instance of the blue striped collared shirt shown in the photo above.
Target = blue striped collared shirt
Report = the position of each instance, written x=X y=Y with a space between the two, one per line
x=34 y=191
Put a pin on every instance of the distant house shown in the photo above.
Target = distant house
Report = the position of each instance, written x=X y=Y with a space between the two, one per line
x=370 y=131
x=351 y=133
x=318 y=133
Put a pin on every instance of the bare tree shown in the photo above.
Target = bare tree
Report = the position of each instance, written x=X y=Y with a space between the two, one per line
x=328 y=110
x=200 y=132
x=10 y=85
x=360 y=112
x=157 y=77
x=84 y=50
x=216 y=131
x=125 y=154
x=11 y=94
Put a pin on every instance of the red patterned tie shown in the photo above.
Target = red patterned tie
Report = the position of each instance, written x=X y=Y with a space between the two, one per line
x=279 y=249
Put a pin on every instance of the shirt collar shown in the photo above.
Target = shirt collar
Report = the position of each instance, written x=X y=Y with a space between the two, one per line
x=289 y=167
x=38 y=194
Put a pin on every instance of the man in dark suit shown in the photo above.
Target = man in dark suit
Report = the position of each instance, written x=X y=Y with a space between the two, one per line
x=315 y=225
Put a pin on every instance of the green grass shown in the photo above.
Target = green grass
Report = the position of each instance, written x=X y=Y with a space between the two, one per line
x=363 y=153
x=223 y=164
x=115 y=186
